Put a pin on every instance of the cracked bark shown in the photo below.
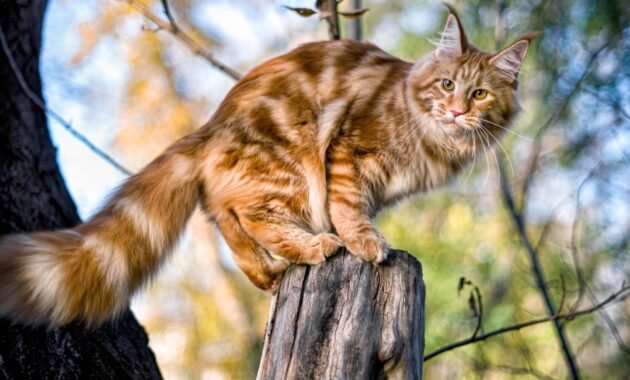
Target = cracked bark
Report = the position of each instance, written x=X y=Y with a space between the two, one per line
x=346 y=319
x=33 y=196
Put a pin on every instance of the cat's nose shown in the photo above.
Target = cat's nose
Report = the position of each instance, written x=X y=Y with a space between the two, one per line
x=456 y=113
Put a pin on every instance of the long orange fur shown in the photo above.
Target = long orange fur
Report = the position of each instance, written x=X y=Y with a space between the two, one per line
x=301 y=153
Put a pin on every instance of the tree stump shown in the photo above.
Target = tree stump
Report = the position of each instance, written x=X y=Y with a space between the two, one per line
x=346 y=319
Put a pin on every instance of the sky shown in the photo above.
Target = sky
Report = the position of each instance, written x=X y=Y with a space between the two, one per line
x=246 y=36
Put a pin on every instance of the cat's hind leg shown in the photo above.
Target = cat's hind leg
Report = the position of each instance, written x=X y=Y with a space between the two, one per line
x=261 y=268
x=277 y=231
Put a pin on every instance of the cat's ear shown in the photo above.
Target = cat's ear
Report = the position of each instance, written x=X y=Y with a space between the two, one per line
x=453 y=40
x=510 y=59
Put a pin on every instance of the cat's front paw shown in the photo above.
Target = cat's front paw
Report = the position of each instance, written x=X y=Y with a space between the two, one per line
x=368 y=247
x=321 y=247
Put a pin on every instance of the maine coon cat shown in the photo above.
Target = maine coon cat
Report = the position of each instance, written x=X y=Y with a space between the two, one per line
x=300 y=154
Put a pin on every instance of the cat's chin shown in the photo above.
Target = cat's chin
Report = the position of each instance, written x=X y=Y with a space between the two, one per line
x=454 y=129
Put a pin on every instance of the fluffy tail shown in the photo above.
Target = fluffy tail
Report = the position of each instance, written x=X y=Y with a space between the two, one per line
x=89 y=272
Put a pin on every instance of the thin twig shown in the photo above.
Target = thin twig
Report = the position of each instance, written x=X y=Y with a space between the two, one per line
x=518 y=326
x=562 y=296
x=479 y=325
x=39 y=102
x=169 y=15
x=355 y=31
x=552 y=215
x=333 y=20
x=519 y=223
x=183 y=37
x=582 y=283
x=481 y=364
x=575 y=246
x=560 y=109
x=475 y=303
x=611 y=324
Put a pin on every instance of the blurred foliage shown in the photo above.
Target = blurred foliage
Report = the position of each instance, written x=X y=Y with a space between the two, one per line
x=206 y=321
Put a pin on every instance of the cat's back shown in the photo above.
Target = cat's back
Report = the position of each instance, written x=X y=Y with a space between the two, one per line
x=315 y=58
x=318 y=70
x=289 y=99
x=344 y=56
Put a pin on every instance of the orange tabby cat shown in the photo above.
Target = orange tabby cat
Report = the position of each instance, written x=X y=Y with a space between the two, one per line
x=301 y=153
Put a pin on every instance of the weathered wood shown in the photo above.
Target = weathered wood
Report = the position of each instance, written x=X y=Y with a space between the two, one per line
x=346 y=319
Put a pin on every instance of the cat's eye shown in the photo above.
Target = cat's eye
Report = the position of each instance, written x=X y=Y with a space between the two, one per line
x=480 y=94
x=448 y=84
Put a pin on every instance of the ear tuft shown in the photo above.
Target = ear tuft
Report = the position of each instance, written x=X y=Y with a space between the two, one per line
x=449 y=45
x=453 y=40
x=509 y=60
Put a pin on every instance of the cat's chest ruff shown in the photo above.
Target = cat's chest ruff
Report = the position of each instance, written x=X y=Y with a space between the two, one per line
x=402 y=182
x=421 y=174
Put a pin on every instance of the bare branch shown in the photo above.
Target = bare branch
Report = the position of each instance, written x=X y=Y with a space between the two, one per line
x=520 y=226
x=479 y=311
x=354 y=23
x=547 y=226
x=183 y=37
x=328 y=9
x=563 y=295
x=611 y=324
x=519 y=223
x=518 y=326
x=560 y=109
x=583 y=285
x=475 y=302
x=524 y=371
x=481 y=364
x=575 y=246
x=39 y=102
x=169 y=15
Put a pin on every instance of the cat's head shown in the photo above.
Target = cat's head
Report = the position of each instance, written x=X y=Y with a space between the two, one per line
x=462 y=97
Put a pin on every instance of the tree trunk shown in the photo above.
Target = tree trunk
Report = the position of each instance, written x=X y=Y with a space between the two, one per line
x=33 y=197
x=346 y=319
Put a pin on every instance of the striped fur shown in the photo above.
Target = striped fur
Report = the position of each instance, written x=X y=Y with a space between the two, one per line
x=89 y=272
x=302 y=152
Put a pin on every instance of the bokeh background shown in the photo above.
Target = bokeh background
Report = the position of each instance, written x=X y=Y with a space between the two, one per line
x=133 y=89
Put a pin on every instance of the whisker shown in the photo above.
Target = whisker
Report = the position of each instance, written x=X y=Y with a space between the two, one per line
x=403 y=113
x=485 y=153
x=506 y=129
x=504 y=151
x=474 y=155
x=496 y=160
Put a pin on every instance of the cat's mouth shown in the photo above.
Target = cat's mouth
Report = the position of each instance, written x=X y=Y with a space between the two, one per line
x=456 y=126
x=450 y=122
